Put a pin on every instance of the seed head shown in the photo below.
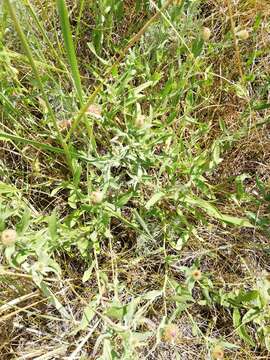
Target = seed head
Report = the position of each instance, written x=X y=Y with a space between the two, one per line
x=97 y=197
x=171 y=333
x=140 y=121
x=94 y=110
x=218 y=353
x=196 y=274
x=206 y=34
x=64 y=125
x=243 y=34
x=8 y=237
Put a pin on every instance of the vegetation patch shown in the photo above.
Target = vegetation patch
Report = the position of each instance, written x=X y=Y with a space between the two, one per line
x=134 y=179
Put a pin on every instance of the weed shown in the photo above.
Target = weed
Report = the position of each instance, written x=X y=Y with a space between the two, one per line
x=134 y=191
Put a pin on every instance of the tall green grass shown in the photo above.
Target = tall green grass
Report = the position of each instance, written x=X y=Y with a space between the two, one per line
x=30 y=57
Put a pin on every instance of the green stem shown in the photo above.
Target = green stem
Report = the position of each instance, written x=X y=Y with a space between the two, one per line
x=71 y=54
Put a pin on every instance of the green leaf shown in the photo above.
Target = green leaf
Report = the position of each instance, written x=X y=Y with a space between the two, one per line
x=122 y=200
x=152 y=295
x=116 y=312
x=92 y=48
x=247 y=296
x=131 y=309
x=7 y=189
x=107 y=350
x=37 y=277
x=142 y=223
x=87 y=273
x=53 y=299
x=9 y=251
x=228 y=345
x=25 y=220
x=261 y=106
x=88 y=315
x=242 y=332
x=140 y=338
x=197 y=47
x=182 y=240
x=240 y=328
x=52 y=224
x=250 y=315
x=235 y=221
x=236 y=317
x=39 y=145
x=212 y=211
x=154 y=199
x=142 y=87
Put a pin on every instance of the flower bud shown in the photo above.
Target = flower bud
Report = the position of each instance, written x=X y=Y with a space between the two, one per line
x=97 y=197
x=196 y=274
x=206 y=34
x=242 y=34
x=8 y=237
x=94 y=110
x=64 y=125
x=171 y=333
x=218 y=353
x=140 y=121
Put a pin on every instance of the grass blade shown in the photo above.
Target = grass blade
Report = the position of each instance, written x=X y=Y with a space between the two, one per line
x=31 y=60
x=44 y=34
x=72 y=59
x=69 y=46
